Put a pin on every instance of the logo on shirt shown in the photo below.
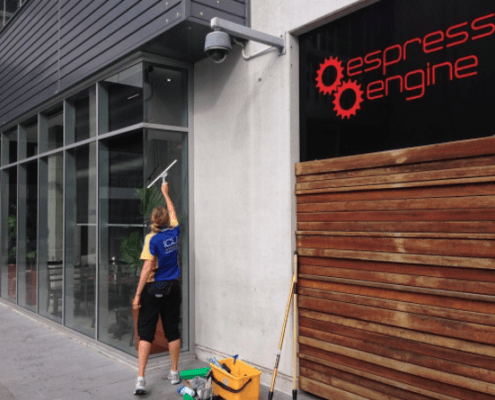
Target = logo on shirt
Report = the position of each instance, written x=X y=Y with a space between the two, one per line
x=171 y=245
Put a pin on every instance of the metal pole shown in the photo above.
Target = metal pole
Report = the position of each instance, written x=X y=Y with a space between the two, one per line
x=294 y=342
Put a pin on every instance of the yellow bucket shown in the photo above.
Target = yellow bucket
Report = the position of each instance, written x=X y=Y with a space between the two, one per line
x=242 y=383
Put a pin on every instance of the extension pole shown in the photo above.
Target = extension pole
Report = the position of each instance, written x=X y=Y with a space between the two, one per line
x=294 y=338
x=287 y=309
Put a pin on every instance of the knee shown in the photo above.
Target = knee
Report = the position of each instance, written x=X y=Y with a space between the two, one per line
x=146 y=336
x=172 y=335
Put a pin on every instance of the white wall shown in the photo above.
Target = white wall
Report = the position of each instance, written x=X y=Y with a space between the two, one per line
x=245 y=146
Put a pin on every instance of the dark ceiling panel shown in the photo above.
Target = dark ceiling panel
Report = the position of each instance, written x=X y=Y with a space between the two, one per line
x=52 y=46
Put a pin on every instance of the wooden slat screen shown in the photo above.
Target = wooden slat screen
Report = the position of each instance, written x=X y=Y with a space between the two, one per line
x=396 y=287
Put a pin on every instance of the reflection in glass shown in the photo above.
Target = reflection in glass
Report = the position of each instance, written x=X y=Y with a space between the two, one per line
x=80 y=245
x=9 y=146
x=120 y=173
x=28 y=225
x=9 y=234
x=48 y=244
x=11 y=7
x=51 y=248
x=161 y=149
x=52 y=129
x=121 y=100
x=80 y=113
x=165 y=96
x=28 y=138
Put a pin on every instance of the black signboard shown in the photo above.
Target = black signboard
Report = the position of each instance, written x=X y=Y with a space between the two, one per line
x=397 y=74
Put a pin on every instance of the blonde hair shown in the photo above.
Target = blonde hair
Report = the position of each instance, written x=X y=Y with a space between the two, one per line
x=159 y=219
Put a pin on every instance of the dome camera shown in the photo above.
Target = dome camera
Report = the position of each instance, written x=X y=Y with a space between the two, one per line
x=217 y=46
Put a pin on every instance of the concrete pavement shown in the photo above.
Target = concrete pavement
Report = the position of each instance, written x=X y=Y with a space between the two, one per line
x=38 y=361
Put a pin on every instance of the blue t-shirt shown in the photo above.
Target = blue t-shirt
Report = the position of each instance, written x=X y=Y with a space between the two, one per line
x=165 y=245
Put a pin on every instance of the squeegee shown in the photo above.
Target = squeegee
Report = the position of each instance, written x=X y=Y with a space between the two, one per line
x=163 y=175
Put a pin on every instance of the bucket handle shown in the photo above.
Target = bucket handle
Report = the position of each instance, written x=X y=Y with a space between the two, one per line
x=225 y=387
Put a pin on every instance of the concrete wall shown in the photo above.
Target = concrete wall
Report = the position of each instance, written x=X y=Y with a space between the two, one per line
x=245 y=145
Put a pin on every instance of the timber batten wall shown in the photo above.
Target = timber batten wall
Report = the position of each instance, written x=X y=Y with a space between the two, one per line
x=396 y=285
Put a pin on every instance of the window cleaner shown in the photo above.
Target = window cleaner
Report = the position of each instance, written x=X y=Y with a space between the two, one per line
x=163 y=175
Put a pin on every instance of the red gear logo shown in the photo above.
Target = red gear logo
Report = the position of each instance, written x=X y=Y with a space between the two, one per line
x=339 y=87
x=352 y=85
x=331 y=62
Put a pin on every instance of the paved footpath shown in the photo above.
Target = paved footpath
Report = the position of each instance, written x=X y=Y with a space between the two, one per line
x=38 y=362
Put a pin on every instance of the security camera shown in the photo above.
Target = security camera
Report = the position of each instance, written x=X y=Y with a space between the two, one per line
x=217 y=43
x=217 y=46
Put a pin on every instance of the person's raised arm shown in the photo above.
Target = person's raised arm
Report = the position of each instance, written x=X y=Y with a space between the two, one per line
x=170 y=206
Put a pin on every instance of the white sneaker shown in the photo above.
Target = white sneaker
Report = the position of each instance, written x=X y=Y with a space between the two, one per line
x=174 y=377
x=140 y=386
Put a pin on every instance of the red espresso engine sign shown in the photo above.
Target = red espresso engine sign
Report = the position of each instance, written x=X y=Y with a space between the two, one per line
x=413 y=84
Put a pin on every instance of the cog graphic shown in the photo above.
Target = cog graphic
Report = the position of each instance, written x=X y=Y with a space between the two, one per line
x=331 y=62
x=357 y=104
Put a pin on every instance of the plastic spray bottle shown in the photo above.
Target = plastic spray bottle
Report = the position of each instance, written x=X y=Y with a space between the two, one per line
x=185 y=390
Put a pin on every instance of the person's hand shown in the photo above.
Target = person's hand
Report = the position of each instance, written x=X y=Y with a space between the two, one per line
x=165 y=189
x=136 y=303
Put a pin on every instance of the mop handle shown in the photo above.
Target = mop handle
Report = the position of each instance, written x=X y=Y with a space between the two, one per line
x=295 y=326
x=162 y=175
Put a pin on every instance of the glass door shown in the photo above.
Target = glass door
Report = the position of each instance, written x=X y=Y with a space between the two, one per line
x=161 y=149
x=80 y=239
x=120 y=174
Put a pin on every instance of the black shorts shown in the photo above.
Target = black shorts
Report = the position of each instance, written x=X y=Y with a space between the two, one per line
x=169 y=309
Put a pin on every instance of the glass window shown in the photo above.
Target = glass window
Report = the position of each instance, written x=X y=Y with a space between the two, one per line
x=80 y=239
x=120 y=173
x=27 y=234
x=124 y=160
x=9 y=234
x=351 y=103
x=11 y=7
x=55 y=213
x=50 y=248
x=121 y=100
x=80 y=112
x=161 y=149
x=52 y=128
x=165 y=96
x=28 y=138
x=9 y=146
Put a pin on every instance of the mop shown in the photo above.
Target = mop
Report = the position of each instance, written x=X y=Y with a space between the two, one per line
x=275 y=370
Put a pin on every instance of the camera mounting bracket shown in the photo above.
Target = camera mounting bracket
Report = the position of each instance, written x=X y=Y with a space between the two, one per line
x=246 y=33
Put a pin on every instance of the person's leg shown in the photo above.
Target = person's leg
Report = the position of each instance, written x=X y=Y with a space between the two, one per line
x=170 y=313
x=144 y=354
x=174 y=349
x=148 y=318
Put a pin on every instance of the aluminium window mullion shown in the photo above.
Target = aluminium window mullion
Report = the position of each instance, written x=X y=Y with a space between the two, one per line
x=64 y=261
x=37 y=234
x=97 y=207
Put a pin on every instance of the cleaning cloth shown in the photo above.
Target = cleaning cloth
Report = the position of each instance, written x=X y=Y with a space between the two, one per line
x=197 y=382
